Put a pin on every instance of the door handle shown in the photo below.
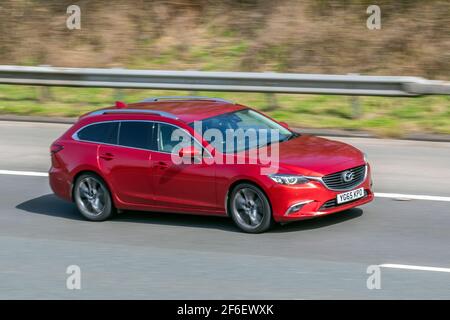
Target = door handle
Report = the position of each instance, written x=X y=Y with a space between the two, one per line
x=107 y=156
x=163 y=165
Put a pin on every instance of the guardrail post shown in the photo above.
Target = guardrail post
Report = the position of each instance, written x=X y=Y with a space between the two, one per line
x=118 y=92
x=355 y=103
x=43 y=94
x=118 y=95
x=271 y=101
x=356 y=107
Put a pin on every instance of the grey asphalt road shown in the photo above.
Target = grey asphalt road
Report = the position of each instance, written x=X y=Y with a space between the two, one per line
x=162 y=256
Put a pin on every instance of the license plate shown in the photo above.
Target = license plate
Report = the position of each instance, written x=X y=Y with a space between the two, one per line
x=350 y=195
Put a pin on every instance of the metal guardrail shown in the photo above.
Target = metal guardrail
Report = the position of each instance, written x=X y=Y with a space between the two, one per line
x=224 y=81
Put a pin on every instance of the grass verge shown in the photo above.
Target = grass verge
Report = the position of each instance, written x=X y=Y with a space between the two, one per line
x=383 y=116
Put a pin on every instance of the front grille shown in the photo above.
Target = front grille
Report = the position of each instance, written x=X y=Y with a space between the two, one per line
x=333 y=203
x=335 y=181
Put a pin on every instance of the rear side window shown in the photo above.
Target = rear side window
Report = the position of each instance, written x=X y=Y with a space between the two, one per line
x=105 y=132
x=137 y=134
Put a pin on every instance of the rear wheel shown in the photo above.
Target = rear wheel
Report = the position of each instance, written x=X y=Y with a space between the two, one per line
x=250 y=209
x=93 y=198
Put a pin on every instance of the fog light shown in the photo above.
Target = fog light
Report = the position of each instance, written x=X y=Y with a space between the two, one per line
x=297 y=207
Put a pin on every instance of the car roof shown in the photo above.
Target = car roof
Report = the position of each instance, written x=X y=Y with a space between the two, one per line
x=184 y=110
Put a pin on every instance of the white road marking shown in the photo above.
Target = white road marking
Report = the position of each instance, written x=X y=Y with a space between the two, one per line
x=408 y=267
x=411 y=196
x=377 y=194
x=24 y=173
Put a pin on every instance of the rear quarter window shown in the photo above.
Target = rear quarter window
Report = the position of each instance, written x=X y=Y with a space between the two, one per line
x=100 y=132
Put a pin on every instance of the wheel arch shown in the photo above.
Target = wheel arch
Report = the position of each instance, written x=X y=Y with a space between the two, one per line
x=91 y=171
x=237 y=182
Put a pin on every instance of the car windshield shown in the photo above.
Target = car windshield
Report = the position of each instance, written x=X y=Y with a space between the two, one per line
x=241 y=130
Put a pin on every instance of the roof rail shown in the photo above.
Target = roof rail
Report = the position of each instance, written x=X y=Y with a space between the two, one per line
x=155 y=112
x=154 y=99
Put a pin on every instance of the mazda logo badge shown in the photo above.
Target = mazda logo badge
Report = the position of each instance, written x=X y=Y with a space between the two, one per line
x=347 y=176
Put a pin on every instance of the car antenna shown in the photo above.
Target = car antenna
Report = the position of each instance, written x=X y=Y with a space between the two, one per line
x=120 y=105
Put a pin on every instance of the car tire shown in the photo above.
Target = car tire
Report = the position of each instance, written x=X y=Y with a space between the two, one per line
x=93 y=198
x=250 y=209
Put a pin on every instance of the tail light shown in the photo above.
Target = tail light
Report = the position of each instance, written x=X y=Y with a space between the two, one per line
x=55 y=148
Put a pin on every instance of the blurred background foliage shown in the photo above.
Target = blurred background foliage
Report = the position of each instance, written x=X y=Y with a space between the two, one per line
x=310 y=36
x=320 y=36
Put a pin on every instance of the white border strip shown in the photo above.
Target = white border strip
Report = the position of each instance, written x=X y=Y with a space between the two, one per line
x=411 y=197
x=24 y=173
x=409 y=267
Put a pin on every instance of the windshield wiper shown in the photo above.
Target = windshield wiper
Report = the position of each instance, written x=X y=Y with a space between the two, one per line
x=292 y=136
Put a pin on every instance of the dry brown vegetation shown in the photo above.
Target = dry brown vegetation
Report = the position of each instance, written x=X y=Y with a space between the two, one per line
x=318 y=36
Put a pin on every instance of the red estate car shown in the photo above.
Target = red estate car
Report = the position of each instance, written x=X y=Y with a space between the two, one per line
x=126 y=158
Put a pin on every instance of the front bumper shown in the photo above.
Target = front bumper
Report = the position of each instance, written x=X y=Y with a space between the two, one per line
x=312 y=199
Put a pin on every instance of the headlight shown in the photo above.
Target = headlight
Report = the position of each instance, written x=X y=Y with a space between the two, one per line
x=366 y=160
x=288 y=179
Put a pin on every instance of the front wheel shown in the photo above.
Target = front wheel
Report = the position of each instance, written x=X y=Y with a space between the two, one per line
x=93 y=198
x=250 y=209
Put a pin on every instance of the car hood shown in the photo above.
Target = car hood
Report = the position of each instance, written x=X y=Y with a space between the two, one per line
x=310 y=155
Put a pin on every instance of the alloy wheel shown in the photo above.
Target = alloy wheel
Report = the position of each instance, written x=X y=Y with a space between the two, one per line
x=91 y=196
x=248 y=208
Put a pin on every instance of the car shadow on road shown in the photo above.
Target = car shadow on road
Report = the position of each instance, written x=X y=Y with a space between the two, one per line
x=51 y=205
x=319 y=222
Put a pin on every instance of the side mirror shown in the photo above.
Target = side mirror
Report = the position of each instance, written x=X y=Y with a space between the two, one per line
x=284 y=124
x=189 y=152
